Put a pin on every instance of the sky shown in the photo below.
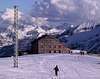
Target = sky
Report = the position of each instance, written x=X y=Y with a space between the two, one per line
x=24 y=5
x=77 y=11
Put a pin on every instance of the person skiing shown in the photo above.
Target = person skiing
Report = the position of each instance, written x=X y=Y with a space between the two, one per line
x=56 y=69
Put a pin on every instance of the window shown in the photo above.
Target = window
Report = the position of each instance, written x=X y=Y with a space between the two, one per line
x=55 y=46
x=55 y=51
x=41 y=46
x=49 y=46
x=49 y=51
x=59 y=46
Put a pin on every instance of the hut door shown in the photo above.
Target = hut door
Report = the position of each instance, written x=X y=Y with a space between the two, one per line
x=49 y=51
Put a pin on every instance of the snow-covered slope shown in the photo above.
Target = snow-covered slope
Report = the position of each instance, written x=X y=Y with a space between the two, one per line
x=84 y=27
x=41 y=67
x=84 y=40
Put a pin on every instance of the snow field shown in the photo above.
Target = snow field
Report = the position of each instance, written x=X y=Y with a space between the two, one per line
x=41 y=67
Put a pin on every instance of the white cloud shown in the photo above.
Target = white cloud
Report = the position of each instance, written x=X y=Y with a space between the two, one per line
x=9 y=15
x=64 y=5
x=92 y=6
x=83 y=10
x=39 y=21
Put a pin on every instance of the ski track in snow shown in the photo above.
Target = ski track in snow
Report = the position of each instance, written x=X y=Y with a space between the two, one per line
x=41 y=67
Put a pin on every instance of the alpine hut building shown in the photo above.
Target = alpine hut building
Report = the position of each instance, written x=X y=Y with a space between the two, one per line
x=48 y=44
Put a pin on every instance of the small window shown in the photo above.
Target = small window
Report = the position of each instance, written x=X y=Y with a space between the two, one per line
x=59 y=46
x=55 y=46
x=55 y=51
x=41 y=46
x=49 y=51
x=50 y=46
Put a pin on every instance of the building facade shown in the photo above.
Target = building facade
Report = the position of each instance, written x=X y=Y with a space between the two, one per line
x=48 y=44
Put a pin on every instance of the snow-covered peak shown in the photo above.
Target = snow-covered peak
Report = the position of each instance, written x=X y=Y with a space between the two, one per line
x=40 y=30
x=55 y=31
x=23 y=32
x=84 y=27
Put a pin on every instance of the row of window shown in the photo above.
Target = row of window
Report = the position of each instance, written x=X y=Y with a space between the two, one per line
x=52 y=46
x=51 y=51
x=55 y=51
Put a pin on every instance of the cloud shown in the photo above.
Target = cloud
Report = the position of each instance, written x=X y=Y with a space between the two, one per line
x=91 y=7
x=39 y=21
x=85 y=9
x=64 y=5
x=9 y=15
x=76 y=11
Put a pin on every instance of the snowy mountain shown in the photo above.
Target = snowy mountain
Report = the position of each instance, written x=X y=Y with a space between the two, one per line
x=27 y=26
x=85 y=40
x=31 y=27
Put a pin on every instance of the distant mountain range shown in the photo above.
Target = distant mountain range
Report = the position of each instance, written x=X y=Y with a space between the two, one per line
x=83 y=36
x=27 y=27
x=85 y=39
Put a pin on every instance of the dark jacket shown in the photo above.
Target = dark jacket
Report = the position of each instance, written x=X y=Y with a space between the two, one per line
x=56 y=69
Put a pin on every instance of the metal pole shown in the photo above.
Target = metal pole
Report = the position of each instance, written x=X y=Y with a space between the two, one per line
x=16 y=36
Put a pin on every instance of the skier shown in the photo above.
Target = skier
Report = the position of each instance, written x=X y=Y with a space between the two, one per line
x=56 y=69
